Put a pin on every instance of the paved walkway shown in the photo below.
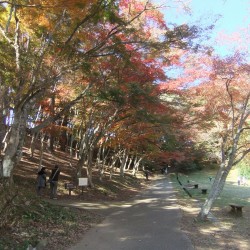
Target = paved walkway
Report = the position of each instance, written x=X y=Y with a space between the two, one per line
x=149 y=222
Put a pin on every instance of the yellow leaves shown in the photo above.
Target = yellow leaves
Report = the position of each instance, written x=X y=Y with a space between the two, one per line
x=49 y=13
x=65 y=93
x=44 y=22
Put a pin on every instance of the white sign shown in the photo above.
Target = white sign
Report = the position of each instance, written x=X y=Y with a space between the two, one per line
x=82 y=181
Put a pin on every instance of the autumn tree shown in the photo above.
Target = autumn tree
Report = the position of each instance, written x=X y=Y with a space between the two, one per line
x=49 y=43
x=33 y=47
x=222 y=103
x=39 y=38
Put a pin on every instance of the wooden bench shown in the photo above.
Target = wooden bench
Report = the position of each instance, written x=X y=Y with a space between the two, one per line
x=70 y=187
x=236 y=208
x=192 y=186
x=204 y=190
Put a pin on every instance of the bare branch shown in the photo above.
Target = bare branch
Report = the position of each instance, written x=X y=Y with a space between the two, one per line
x=10 y=16
x=6 y=37
x=242 y=156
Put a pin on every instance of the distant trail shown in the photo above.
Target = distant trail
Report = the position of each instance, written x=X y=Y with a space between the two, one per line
x=148 y=222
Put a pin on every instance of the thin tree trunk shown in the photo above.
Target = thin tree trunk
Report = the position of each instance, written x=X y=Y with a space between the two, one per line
x=34 y=135
x=122 y=166
x=214 y=193
x=136 y=165
x=99 y=161
x=130 y=162
x=63 y=136
x=80 y=164
x=41 y=150
x=3 y=131
x=71 y=148
x=52 y=110
x=114 y=159
x=89 y=167
x=104 y=162
x=33 y=145
x=126 y=162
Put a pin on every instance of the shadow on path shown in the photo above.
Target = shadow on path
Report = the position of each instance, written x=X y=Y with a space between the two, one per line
x=150 y=222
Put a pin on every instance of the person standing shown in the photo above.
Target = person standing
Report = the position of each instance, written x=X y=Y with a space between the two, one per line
x=53 y=180
x=239 y=180
x=244 y=181
x=166 y=171
x=41 y=180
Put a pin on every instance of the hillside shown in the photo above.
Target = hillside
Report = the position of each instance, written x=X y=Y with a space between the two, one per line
x=28 y=219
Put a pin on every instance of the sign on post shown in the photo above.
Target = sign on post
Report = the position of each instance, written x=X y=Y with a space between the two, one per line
x=82 y=182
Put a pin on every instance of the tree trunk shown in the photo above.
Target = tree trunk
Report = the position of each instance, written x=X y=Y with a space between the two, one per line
x=32 y=144
x=52 y=110
x=3 y=115
x=3 y=132
x=63 y=136
x=126 y=162
x=71 y=148
x=130 y=162
x=122 y=166
x=136 y=165
x=51 y=143
x=215 y=191
x=13 y=149
x=114 y=159
x=35 y=135
x=80 y=165
x=105 y=154
x=41 y=150
x=99 y=161
x=89 y=167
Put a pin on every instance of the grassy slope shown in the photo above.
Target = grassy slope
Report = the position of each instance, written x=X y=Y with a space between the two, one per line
x=232 y=193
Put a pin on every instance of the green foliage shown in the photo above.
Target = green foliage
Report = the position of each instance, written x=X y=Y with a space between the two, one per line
x=188 y=166
x=113 y=94
x=149 y=165
x=86 y=66
x=169 y=143
x=6 y=243
x=45 y=211
x=244 y=168
x=17 y=206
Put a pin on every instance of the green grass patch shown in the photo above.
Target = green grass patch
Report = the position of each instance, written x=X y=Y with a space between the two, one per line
x=232 y=193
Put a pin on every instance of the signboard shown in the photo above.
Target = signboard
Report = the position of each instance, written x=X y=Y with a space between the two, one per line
x=69 y=186
x=82 y=181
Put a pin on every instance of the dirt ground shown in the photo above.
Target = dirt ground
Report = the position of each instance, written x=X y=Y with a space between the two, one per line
x=34 y=220
x=226 y=230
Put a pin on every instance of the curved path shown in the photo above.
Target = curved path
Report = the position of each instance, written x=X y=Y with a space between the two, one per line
x=149 y=222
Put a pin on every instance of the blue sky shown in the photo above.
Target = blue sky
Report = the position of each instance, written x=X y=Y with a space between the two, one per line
x=229 y=16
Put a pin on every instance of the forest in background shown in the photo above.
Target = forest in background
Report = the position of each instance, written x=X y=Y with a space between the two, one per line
x=91 y=77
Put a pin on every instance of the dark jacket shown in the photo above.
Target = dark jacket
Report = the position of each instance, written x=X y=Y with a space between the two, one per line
x=54 y=174
x=41 y=178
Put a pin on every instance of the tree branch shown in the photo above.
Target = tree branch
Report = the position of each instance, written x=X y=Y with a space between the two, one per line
x=242 y=156
x=51 y=119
